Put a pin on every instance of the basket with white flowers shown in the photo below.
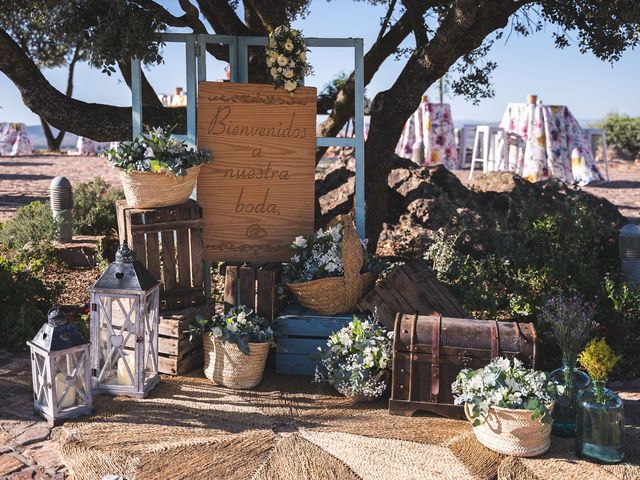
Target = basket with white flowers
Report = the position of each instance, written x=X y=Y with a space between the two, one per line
x=236 y=345
x=329 y=272
x=509 y=406
x=287 y=57
x=356 y=360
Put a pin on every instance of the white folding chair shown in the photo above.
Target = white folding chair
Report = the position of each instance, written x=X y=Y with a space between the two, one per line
x=489 y=148
x=593 y=134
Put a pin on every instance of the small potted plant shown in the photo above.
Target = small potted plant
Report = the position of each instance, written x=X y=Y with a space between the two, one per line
x=156 y=170
x=600 y=414
x=330 y=272
x=508 y=405
x=356 y=360
x=236 y=345
x=570 y=322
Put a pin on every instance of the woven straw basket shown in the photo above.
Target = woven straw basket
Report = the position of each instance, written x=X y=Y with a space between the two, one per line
x=226 y=365
x=148 y=190
x=513 y=432
x=330 y=296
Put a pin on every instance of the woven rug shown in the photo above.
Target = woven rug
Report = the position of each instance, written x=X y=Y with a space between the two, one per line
x=289 y=428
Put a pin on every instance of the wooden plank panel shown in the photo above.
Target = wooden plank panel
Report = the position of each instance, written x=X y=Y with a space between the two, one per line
x=230 y=287
x=295 y=364
x=153 y=248
x=261 y=185
x=197 y=257
x=183 y=246
x=138 y=243
x=247 y=287
x=266 y=297
x=301 y=346
x=310 y=326
x=121 y=205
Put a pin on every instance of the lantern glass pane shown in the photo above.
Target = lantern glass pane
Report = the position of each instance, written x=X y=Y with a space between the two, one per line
x=69 y=377
x=117 y=328
x=151 y=336
x=41 y=379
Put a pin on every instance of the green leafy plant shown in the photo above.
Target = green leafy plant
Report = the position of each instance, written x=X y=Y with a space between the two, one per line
x=155 y=151
x=356 y=358
x=33 y=224
x=623 y=131
x=24 y=301
x=94 y=207
x=239 y=326
x=505 y=383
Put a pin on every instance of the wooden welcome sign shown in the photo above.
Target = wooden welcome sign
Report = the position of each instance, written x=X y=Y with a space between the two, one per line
x=258 y=193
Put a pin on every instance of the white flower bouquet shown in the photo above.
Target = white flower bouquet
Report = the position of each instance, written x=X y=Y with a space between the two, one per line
x=287 y=57
x=507 y=384
x=356 y=359
x=509 y=406
x=330 y=271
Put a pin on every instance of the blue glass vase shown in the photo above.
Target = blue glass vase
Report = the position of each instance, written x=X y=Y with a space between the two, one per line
x=600 y=425
x=564 y=410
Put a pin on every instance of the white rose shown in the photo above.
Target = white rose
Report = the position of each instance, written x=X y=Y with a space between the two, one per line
x=148 y=153
x=274 y=71
x=288 y=73
x=302 y=56
x=269 y=62
x=290 y=86
x=300 y=241
x=282 y=60
x=232 y=327
x=288 y=45
x=272 y=43
x=292 y=64
x=242 y=317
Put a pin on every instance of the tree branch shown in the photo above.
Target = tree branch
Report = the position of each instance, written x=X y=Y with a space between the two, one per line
x=222 y=17
x=149 y=95
x=96 y=121
x=189 y=19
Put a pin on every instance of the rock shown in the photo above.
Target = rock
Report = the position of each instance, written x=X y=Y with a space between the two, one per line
x=8 y=464
x=33 y=434
x=45 y=454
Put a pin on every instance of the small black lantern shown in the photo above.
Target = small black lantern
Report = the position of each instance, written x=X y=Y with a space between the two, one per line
x=60 y=368
x=125 y=301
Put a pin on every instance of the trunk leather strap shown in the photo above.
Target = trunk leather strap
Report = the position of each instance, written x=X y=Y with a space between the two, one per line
x=495 y=339
x=435 y=359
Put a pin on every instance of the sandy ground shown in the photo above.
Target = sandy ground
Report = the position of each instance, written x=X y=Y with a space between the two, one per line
x=25 y=179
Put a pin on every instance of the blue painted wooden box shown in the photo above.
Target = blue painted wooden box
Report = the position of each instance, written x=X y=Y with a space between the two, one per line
x=299 y=333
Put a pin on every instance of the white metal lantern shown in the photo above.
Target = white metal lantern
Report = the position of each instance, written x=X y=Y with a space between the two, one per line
x=61 y=370
x=124 y=328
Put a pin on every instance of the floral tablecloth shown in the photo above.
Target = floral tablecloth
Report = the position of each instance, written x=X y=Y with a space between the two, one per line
x=14 y=140
x=554 y=144
x=431 y=123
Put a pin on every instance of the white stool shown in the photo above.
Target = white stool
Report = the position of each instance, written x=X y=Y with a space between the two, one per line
x=593 y=134
x=488 y=140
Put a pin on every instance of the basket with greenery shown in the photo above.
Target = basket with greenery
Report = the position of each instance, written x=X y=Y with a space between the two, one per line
x=356 y=360
x=508 y=405
x=157 y=170
x=236 y=345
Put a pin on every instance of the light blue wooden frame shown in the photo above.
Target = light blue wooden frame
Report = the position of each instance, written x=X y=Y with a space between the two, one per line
x=196 y=67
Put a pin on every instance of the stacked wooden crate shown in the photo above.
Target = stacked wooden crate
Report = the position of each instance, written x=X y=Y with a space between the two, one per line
x=168 y=242
x=254 y=286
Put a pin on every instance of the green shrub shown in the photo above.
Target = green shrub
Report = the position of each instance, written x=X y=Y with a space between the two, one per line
x=623 y=131
x=24 y=300
x=94 y=207
x=33 y=223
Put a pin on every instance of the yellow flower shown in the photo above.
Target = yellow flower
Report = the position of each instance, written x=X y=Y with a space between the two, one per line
x=288 y=45
x=282 y=60
x=303 y=56
x=290 y=85
x=274 y=71
x=598 y=359
x=288 y=73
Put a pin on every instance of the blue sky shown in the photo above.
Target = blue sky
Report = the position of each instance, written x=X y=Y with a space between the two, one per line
x=589 y=87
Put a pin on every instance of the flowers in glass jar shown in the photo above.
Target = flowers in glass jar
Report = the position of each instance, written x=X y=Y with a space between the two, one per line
x=356 y=359
x=287 y=57
x=155 y=151
x=240 y=325
x=507 y=384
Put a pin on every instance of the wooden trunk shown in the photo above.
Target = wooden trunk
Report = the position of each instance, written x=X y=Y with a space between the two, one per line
x=411 y=288
x=168 y=241
x=253 y=286
x=429 y=351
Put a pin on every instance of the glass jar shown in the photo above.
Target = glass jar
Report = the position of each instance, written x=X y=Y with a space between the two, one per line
x=564 y=411
x=600 y=425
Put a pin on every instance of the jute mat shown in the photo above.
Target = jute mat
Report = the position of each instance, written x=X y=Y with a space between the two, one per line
x=289 y=428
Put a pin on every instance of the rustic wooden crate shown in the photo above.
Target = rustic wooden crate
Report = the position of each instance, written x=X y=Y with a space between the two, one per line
x=299 y=333
x=176 y=354
x=254 y=287
x=168 y=241
x=411 y=288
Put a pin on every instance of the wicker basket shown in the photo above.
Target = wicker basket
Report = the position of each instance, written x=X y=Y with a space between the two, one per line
x=513 y=432
x=330 y=296
x=149 y=190
x=226 y=365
